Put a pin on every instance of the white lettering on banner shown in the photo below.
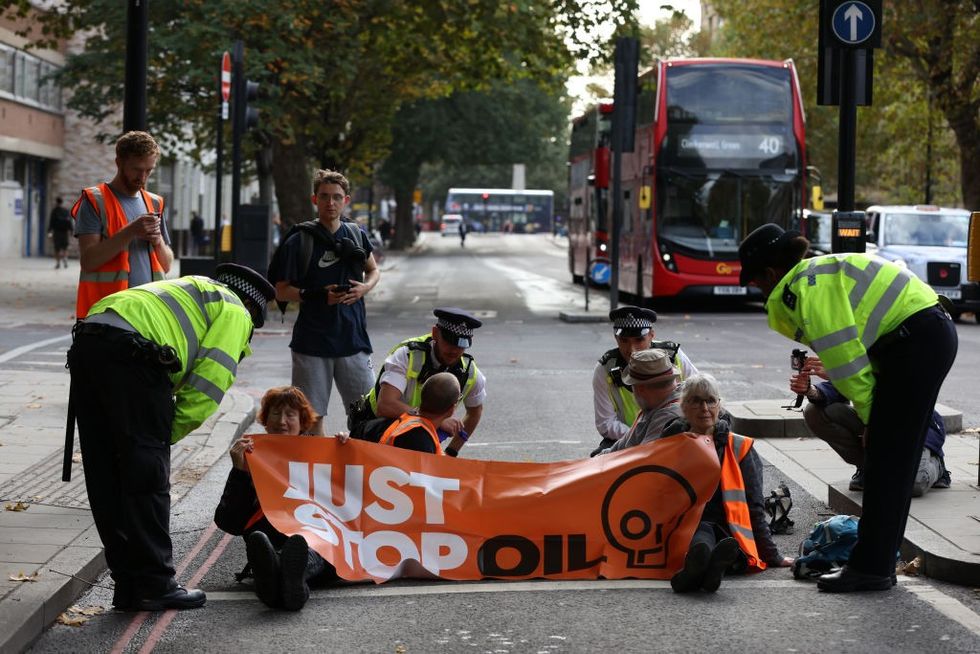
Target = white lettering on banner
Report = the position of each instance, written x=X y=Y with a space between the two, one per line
x=322 y=517
x=381 y=485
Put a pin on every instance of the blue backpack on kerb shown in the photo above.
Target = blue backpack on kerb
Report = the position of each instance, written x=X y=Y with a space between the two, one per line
x=827 y=547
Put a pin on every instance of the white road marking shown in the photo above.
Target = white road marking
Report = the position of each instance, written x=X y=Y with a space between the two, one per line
x=951 y=607
x=483 y=587
x=544 y=294
x=16 y=352
x=536 y=442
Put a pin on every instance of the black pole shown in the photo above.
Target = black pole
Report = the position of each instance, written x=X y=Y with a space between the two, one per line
x=237 y=129
x=847 y=132
x=134 y=103
x=617 y=214
x=219 y=169
x=928 y=146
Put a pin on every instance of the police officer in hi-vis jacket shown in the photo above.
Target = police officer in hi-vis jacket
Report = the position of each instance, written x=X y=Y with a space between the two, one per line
x=886 y=344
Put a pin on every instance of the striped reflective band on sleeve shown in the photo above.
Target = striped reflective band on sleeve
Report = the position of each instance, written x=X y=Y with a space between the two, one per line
x=884 y=305
x=111 y=276
x=850 y=368
x=832 y=339
x=220 y=357
x=178 y=311
x=205 y=386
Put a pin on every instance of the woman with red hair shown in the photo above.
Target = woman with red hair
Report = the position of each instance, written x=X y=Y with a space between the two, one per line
x=281 y=565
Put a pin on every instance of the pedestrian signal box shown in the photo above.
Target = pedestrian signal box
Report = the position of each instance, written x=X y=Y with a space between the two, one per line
x=849 y=231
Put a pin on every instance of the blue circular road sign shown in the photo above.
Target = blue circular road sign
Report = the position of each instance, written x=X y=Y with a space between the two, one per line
x=853 y=22
x=600 y=272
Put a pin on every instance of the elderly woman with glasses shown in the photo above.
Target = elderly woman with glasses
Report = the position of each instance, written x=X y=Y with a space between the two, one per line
x=733 y=536
x=281 y=565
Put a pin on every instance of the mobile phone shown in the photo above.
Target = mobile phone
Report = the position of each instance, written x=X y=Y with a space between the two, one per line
x=341 y=288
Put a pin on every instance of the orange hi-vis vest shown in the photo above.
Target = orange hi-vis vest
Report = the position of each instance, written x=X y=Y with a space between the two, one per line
x=407 y=422
x=734 y=500
x=113 y=275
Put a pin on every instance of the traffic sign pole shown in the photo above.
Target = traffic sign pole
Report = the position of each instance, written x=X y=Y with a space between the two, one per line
x=847 y=134
x=224 y=90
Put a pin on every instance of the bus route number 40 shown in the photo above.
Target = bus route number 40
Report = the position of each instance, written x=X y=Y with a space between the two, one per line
x=771 y=145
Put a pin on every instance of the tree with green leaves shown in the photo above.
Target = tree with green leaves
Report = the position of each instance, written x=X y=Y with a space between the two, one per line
x=332 y=74
x=517 y=122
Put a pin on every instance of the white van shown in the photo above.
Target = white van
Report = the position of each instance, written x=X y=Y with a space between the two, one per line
x=450 y=224
x=931 y=242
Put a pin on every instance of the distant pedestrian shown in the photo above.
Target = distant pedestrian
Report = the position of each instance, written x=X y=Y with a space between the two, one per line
x=384 y=231
x=197 y=233
x=121 y=227
x=148 y=366
x=887 y=344
x=462 y=233
x=329 y=279
x=59 y=229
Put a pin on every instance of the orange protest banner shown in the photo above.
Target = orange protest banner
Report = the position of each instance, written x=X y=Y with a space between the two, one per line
x=378 y=512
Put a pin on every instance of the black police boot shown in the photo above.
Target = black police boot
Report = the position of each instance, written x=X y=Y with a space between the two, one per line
x=265 y=568
x=294 y=561
x=179 y=598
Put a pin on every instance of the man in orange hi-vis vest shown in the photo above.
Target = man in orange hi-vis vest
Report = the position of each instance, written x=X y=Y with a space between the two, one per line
x=121 y=227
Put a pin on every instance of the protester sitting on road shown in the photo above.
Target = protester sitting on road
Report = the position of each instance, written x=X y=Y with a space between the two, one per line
x=654 y=382
x=830 y=417
x=615 y=407
x=733 y=536
x=416 y=430
x=411 y=362
x=281 y=566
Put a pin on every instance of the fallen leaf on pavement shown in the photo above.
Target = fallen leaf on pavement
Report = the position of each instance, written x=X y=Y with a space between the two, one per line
x=72 y=620
x=76 y=457
x=18 y=506
x=972 y=430
x=912 y=568
x=33 y=405
x=85 y=610
x=20 y=576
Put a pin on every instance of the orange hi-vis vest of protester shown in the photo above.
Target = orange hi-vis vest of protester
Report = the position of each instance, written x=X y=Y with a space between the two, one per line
x=733 y=497
x=407 y=422
x=113 y=275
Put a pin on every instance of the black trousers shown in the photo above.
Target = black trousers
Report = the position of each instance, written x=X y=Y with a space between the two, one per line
x=911 y=363
x=125 y=411
x=710 y=533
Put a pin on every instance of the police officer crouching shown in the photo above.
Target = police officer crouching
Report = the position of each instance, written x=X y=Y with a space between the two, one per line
x=398 y=388
x=149 y=365
x=615 y=407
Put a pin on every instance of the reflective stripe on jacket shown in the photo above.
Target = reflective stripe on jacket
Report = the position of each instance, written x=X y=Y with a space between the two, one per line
x=405 y=423
x=205 y=323
x=839 y=305
x=734 y=499
x=621 y=395
x=418 y=356
x=113 y=275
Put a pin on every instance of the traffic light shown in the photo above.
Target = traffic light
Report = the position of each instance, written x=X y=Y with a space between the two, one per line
x=250 y=115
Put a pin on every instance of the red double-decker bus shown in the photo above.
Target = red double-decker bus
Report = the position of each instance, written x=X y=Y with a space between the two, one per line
x=719 y=150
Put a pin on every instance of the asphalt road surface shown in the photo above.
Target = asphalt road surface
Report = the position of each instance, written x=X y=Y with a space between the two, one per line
x=539 y=408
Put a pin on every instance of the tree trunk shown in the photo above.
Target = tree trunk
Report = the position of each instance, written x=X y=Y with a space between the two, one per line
x=963 y=121
x=293 y=176
x=404 y=234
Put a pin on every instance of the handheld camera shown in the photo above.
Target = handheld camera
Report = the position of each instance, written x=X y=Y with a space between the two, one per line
x=797 y=359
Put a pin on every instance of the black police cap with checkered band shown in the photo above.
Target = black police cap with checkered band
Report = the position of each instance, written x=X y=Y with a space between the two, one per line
x=632 y=321
x=456 y=325
x=253 y=289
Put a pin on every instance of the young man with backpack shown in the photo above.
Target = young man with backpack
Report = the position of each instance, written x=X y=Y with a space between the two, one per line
x=327 y=266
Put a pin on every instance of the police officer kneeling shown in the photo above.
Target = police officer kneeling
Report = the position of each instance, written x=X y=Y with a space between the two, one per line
x=887 y=345
x=148 y=365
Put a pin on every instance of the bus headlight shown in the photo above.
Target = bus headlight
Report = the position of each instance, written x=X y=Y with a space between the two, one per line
x=668 y=259
x=602 y=247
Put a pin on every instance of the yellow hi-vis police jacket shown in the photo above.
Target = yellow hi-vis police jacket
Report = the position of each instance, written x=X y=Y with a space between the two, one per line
x=205 y=323
x=839 y=305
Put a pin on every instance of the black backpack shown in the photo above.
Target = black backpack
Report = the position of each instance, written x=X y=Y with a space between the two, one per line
x=309 y=231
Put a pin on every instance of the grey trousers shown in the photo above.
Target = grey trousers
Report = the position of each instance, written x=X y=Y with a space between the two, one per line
x=839 y=426
x=315 y=376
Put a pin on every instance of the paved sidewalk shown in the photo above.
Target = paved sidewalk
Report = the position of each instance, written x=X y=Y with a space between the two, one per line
x=943 y=527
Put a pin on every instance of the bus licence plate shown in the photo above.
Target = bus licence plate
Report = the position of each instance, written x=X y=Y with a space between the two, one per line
x=951 y=293
x=730 y=290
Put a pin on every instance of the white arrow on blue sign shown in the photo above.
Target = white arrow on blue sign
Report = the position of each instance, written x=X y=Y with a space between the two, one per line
x=853 y=22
